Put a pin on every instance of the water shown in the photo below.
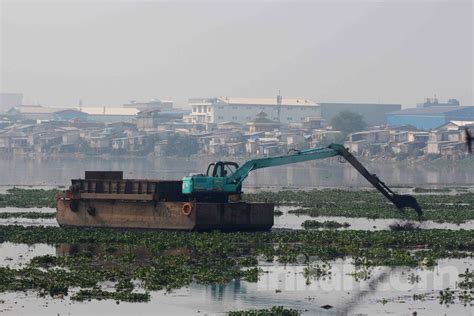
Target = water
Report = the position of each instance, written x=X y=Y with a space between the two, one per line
x=388 y=290
x=291 y=221
x=327 y=173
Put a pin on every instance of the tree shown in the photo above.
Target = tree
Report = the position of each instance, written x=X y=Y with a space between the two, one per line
x=183 y=146
x=348 y=122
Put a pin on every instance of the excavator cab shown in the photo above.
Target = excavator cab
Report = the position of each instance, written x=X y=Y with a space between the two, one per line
x=221 y=169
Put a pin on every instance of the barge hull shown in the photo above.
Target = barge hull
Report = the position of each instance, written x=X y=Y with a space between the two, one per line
x=152 y=214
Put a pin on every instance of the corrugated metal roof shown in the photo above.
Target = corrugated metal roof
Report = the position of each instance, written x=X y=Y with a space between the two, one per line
x=431 y=110
x=268 y=101
x=37 y=109
x=109 y=111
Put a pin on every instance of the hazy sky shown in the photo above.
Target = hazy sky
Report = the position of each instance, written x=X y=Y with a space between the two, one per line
x=109 y=52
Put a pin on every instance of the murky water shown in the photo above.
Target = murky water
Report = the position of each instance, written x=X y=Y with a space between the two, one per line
x=329 y=173
x=291 y=221
x=387 y=290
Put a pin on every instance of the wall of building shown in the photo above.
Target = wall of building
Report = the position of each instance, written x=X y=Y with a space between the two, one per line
x=430 y=121
x=464 y=114
x=222 y=112
x=104 y=118
x=424 y=122
x=374 y=114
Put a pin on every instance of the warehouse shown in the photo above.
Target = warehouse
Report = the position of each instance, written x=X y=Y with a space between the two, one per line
x=431 y=117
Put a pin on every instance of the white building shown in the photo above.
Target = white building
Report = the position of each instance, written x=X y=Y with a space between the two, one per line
x=242 y=110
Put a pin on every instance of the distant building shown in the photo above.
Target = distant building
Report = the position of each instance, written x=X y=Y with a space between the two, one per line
x=431 y=102
x=242 y=110
x=153 y=104
x=34 y=112
x=110 y=114
x=151 y=119
x=430 y=117
x=9 y=100
x=70 y=115
x=373 y=113
x=262 y=124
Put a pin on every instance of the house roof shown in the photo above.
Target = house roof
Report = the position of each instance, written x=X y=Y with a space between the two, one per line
x=435 y=110
x=268 y=101
x=36 y=109
x=228 y=123
x=109 y=111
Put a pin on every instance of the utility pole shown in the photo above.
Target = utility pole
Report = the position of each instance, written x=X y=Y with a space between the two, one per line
x=279 y=99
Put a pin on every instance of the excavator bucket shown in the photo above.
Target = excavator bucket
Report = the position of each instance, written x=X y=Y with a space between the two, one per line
x=403 y=201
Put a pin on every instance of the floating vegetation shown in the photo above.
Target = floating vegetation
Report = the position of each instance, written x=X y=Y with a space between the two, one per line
x=317 y=272
x=26 y=198
x=32 y=215
x=274 y=311
x=407 y=226
x=413 y=278
x=87 y=295
x=467 y=282
x=170 y=260
x=277 y=213
x=431 y=190
x=312 y=224
x=361 y=273
x=371 y=204
x=446 y=296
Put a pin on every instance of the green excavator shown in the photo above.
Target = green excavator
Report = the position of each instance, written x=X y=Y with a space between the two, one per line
x=224 y=179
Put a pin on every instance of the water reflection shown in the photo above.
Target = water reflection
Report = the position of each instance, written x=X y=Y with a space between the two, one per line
x=330 y=173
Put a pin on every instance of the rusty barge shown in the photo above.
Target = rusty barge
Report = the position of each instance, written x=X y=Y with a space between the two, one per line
x=106 y=200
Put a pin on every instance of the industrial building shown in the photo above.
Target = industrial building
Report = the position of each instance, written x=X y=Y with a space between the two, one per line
x=373 y=113
x=34 y=112
x=153 y=104
x=109 y=114
x=430 y=117
x=242 y=110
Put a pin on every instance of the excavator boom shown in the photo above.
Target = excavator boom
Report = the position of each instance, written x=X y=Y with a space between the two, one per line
x=220 y=183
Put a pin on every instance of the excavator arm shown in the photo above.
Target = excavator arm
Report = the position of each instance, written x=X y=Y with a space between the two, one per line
x=231 y=184
x=400 y=201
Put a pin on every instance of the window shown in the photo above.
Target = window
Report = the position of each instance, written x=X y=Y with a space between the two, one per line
x=289 y=118
x=194 y=110
x=220 y=117
x=248 y=118
x=221 y=107
x=234 y=118
x=234 y=108
x=199 y=109
x=249 y=107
